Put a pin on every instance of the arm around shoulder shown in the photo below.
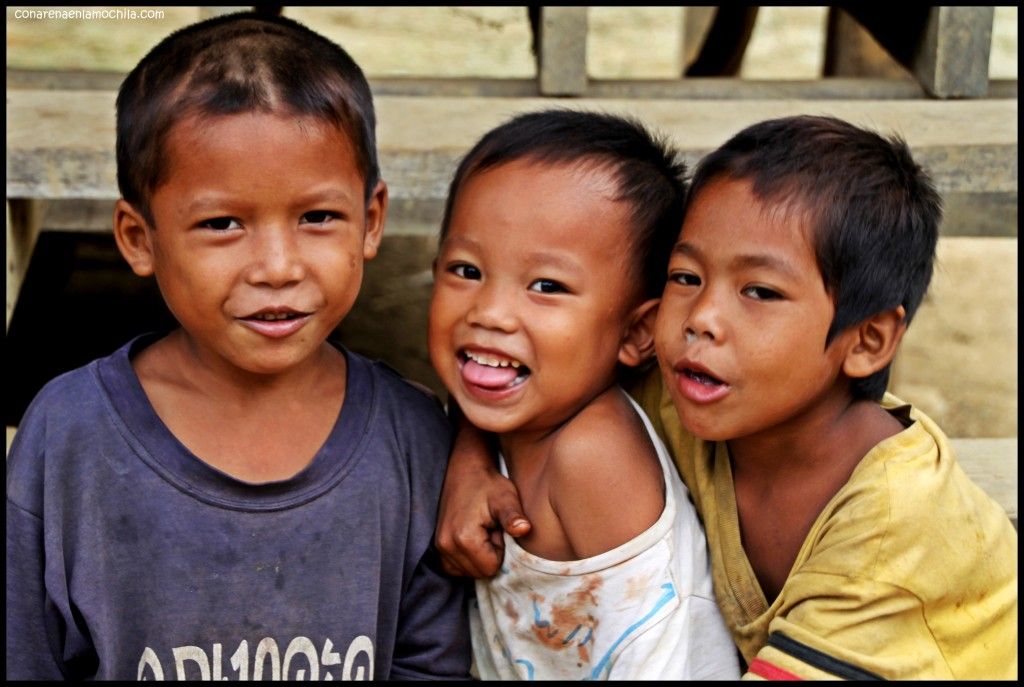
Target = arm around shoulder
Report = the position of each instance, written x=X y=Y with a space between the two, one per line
x=476 y=503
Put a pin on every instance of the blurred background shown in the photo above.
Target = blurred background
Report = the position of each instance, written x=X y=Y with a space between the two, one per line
x=622 y=42
x=78 y=300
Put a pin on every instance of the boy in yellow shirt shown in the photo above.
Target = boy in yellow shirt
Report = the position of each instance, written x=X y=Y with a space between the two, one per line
x=845 y=540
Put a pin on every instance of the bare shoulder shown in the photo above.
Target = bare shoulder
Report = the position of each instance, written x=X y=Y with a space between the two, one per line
x=605 y=480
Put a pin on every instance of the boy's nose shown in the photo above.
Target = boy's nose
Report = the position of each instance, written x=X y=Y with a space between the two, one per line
x=704 y=319
x=277 y=260
x=493 y=309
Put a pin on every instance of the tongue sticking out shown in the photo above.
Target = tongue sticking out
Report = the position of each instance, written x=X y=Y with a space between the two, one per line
x=487 y=376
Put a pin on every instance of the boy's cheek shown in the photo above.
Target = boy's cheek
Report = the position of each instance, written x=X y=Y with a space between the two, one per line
x=665 y=324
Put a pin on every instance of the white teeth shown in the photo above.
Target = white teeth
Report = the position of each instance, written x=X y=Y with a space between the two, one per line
x=491 y=361
x=272 y=316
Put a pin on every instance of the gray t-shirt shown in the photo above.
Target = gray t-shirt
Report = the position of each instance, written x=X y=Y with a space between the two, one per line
x=129 y=558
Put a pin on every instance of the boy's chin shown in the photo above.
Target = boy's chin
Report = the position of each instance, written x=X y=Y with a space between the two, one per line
x=487 y=419
x=486 y=422
x=701 y=429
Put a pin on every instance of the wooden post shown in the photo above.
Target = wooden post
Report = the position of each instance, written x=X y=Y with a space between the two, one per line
x=952 y=59
x=562 y=61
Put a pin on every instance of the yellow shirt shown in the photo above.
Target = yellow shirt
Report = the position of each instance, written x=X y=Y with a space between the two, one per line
x=910 y=571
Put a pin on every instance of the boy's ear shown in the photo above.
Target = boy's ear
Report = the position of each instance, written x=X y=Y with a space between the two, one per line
x=874 y=344
x=376 y=214
x=131 y=232
x=638 y=340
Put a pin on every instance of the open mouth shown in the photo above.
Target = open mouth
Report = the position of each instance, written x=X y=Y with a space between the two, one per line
x=702 y=377
x=492 y=371
x=276 y=323
x=275 y=316
x=697 y=385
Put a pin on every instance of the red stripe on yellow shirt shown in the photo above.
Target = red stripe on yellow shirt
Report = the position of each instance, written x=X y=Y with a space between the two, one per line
x=768 y=671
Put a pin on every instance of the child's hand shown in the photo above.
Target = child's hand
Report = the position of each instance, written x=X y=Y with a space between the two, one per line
x=471 y=519
x=477 y=503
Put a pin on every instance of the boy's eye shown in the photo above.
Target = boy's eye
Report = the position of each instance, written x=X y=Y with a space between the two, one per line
x=761 y=293
x=221 y=224
x=548 y=286
x=465 y=271
x=684 y=278
x=318 y=217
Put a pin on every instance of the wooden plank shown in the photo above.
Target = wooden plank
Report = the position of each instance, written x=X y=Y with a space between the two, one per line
x=695 y=88
x=979 y=214
x=952 y=60
x=562 y=57
x=967 y=145
x=64 y=79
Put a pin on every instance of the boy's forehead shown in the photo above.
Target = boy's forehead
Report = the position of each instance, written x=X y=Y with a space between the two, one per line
x=599 y=175
x=233 y=155
x=238 y=134
x=562 y=187
x=783 y=206
x=196 y=124
x=552 y=194
x=732 y=206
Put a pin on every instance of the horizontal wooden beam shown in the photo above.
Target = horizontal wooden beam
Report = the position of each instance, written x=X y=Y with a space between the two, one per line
x=699 y=88
x=61 y=144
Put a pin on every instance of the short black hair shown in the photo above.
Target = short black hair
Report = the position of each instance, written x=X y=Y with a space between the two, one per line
x=242 y=62
x=650 y=173
x=874 y=212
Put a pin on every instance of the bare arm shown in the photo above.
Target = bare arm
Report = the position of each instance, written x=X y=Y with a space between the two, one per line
x=605 y=479
x=477 y=503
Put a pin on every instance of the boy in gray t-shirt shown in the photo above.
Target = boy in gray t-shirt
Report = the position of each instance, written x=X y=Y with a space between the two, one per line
x=237 y=498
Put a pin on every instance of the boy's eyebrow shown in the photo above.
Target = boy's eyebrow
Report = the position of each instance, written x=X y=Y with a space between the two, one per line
x=554 y=260
x=329 y=195
x=457 y=240
x=748 y=260
x=769 y=261
x=215 y=202
x=205 y=204
x=535 y=258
